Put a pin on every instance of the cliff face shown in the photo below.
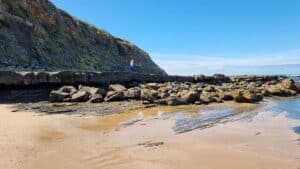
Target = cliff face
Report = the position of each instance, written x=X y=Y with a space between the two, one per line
x=35 y=35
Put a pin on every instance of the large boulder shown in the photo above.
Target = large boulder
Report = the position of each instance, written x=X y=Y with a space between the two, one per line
x=174 y=101
x=58 y=96
x=277 y=90
x=209 y=88
x=150 y=95
x=288 y=84
x=209 y=97
x=286 y=87
x=226 y=96
x=162 y=95
x=62 y=94
x=153 y=86
x=133 y=93
x=117 y=87
x=190 y=96
x=247 y=96
x=96 y=94
x=92 y=90
x=161 y=101
x=97 y=98
x=68 y=89
x=114 y=96
x=80 y=96
x=199 y=78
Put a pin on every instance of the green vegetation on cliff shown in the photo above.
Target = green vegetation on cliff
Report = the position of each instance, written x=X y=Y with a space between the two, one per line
x=35 y=35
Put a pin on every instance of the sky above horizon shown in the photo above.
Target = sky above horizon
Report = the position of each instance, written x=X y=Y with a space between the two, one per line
x=203 y=36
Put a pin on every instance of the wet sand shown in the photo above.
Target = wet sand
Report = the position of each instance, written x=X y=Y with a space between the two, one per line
x=59 y=141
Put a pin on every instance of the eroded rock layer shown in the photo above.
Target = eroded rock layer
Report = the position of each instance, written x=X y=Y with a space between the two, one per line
x=35 y=35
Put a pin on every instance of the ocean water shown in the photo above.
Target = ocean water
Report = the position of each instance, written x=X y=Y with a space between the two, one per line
x=297 y=79
x=289 y=106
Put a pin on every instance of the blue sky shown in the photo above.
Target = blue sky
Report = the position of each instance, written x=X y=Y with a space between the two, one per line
x=203 y=36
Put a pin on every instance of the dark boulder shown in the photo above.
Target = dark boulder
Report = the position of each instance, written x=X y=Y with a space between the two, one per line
x=174 y=101
x=150 y=95
x=92 y=90
x=58 y=96
x=133 y=93
x=62 y=94
x=189 y=96
x=80 y=96
x=114 y=96
x=97 y=98
x=209 y=97
x=226 y=96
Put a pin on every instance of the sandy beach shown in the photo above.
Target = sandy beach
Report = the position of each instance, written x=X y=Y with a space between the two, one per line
x=34 y=141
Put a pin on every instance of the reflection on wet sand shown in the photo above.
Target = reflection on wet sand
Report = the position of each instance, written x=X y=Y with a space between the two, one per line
x=187 y=117
x=114 y=121
x=235 y=136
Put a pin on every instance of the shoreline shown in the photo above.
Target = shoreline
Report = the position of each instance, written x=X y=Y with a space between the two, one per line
x=33 y=141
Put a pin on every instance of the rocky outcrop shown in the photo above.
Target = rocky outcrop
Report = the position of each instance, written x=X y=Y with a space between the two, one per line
x=247 y=96
x=178 y=93
x=35 y=35
x=11 y=78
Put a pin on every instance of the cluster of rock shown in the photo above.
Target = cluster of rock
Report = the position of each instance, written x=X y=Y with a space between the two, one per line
x=177 y=93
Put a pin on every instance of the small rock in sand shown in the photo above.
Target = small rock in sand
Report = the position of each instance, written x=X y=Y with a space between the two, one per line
x=258 y=133
x=151 y=144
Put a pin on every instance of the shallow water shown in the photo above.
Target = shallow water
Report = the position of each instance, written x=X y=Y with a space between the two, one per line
x=297 y=79
x=202 y=120
x=289 y=107
x=297 y=129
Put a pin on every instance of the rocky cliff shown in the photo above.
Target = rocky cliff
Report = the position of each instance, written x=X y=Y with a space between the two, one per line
x=35 y=35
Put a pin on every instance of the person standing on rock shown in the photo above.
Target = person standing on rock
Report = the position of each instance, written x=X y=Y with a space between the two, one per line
x=132 y=65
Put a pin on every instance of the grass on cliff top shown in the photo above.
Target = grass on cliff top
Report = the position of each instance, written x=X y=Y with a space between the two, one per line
x=99 y=31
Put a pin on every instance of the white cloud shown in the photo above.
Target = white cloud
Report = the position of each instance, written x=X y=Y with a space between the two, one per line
x=193 y=64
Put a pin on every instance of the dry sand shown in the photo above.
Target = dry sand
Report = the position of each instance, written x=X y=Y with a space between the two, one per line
x=34 y=141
